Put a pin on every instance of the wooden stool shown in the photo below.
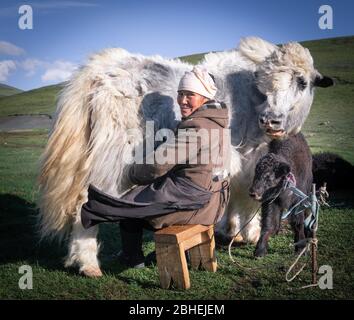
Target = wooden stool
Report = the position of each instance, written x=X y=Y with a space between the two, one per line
x=171 y=244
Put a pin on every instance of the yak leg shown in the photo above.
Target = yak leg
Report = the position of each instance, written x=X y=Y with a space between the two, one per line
x=249 y=219
x=226 y=229
x=232 y=227
x=83 y=249
x=236 y=217
x=252 y=230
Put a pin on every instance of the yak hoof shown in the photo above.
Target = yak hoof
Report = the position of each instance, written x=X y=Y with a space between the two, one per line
x=260 y=253
x=92 y=272
x=239 y=239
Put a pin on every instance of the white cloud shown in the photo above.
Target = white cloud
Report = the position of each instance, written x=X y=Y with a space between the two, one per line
x=58 y=71
x=5 y=68
x=10 y=49
x=31 y=65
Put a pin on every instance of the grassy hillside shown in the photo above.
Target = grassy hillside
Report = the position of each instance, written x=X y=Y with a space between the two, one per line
x=330 y=124
x=6 y=90
x=35 y=101
x=193 y=59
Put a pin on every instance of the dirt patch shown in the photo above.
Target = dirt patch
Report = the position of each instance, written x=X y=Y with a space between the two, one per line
x=24 y=122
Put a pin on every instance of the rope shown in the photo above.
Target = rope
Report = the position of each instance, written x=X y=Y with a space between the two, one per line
x=305 y=202
x=323 y=195
x=309 y=242
x=311 y=222
x=233 y=239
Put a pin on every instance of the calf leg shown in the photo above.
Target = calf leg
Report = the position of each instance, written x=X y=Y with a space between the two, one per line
x=269 y=222
x=297 y=224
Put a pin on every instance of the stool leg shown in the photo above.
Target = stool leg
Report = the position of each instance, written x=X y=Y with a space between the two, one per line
x=204 y=254
x=172 y=265
x=162 y=265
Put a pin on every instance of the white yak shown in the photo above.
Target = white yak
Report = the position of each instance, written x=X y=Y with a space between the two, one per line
x=101 y=116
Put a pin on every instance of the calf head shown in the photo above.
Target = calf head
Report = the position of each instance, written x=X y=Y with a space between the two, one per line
x=270 y=173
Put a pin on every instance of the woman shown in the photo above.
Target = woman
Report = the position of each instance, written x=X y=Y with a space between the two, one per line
x=192 y=188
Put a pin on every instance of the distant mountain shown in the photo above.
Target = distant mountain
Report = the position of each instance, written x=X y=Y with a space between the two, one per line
x=36 y=101
x=6 y=90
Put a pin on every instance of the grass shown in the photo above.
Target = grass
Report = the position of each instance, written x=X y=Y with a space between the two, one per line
x=328 y=128
x=19 y=245
x=330 y=124
x=37 y=101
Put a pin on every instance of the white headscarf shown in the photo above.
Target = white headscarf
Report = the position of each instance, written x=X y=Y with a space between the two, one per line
x=199 y=81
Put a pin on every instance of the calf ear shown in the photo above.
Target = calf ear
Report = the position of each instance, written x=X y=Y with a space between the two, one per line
x=323 y=82
x=282 y=169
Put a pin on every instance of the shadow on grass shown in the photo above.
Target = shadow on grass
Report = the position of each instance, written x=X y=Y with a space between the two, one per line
x=19 y=238
x=342 y=198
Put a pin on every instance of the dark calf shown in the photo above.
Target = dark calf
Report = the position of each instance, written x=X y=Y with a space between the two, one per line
x=291 y=155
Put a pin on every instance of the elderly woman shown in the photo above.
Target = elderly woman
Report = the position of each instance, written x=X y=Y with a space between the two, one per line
x=191 y=188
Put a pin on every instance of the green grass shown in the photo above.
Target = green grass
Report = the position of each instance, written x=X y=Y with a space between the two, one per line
x=19 y=245
x=37 y=101
x=193 y=59
x=330 y=124
x=328 y=128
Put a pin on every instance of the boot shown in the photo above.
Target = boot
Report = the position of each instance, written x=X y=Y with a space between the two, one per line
x=131 y=254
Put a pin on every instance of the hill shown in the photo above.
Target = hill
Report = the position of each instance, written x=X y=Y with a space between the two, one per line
x=6 y=90
x=41 y=100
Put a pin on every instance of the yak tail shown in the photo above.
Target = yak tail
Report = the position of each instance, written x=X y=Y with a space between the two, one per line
x=64 y=166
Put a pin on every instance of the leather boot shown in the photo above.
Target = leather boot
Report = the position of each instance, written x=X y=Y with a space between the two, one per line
x=131 y=254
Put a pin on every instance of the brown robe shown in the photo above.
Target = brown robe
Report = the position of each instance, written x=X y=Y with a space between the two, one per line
x=191 y=188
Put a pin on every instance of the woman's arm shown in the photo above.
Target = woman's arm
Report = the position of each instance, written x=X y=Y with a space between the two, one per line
x=182 y=148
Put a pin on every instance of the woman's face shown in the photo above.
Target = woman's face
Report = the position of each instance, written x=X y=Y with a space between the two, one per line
x=189 y=102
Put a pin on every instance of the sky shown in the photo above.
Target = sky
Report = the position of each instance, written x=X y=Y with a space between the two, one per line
x=65 y=33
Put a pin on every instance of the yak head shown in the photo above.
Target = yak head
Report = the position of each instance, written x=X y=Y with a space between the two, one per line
x=286 y=77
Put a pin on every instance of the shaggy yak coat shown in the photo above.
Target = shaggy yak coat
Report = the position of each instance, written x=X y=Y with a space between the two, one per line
x=186 y=190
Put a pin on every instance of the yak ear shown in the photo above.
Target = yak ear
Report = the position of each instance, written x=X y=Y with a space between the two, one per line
x=282 y=169
x=323 y=81
x=256 y=49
